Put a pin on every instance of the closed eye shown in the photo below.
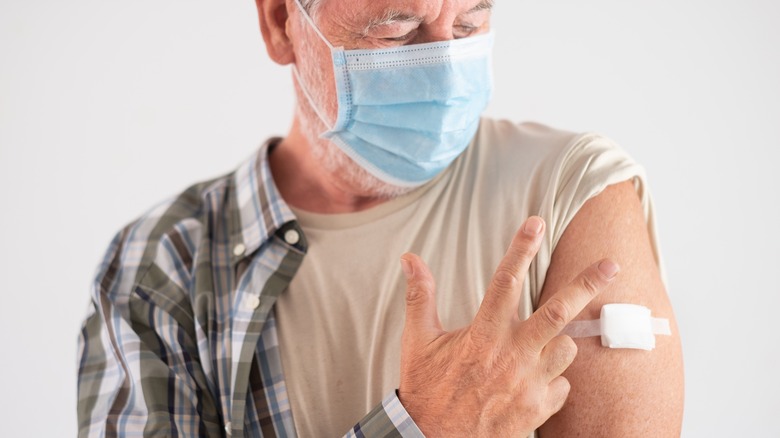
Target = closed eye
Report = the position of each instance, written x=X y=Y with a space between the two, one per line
x=462 y=31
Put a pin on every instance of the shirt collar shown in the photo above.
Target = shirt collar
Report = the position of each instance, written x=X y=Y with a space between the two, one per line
x=261 y=209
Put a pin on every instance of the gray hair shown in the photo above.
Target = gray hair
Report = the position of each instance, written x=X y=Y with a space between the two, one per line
x=310 y=6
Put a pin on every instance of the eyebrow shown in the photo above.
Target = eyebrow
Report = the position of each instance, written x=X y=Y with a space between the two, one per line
x=484 y=4
x=391 y=16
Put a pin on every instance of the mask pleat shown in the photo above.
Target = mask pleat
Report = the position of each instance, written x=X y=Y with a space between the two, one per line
x=439 y=83
x=426 y=117
x=413 y=145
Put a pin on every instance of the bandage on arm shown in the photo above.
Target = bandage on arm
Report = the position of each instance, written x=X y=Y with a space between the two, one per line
x=622 y=326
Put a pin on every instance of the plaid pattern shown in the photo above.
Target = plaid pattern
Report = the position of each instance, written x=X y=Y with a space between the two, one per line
x=180 y=338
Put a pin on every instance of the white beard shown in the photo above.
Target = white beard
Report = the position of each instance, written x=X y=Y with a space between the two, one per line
x=340 y=166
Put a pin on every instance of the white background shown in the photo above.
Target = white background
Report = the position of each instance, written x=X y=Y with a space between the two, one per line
x=108 y=107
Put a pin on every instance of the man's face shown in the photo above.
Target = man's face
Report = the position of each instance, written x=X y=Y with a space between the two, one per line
x=367 y=24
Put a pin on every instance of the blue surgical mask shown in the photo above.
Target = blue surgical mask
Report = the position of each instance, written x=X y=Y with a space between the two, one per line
x=405 y=113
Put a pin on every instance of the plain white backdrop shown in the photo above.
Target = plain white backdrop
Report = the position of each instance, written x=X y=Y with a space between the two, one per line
x=108 y=107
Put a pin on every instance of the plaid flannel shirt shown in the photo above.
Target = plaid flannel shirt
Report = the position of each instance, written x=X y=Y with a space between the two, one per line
x=180 y=337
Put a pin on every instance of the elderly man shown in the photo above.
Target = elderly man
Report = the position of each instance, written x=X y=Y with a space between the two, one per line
x=271 y=301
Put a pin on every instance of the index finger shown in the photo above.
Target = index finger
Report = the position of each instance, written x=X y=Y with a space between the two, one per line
x=551 y=318
x=502 y=298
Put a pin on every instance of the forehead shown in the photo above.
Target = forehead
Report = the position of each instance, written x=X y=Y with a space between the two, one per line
x=366 y=11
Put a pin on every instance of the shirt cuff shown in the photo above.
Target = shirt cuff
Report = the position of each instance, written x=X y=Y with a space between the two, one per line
x=387 y=419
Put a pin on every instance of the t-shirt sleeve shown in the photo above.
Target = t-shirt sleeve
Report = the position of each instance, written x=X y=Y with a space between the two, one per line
x=584 y=169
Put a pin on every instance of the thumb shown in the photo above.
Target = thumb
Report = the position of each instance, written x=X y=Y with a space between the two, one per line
x=422 y=318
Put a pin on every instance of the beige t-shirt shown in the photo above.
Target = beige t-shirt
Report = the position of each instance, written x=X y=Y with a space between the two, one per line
x=340 y=321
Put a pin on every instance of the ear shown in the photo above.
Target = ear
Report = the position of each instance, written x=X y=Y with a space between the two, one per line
x=273 y=25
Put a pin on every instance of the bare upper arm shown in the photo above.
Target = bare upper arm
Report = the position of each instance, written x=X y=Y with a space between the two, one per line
x=617 y=392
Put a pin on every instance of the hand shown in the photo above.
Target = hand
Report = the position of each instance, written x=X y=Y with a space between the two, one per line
x=498 y=376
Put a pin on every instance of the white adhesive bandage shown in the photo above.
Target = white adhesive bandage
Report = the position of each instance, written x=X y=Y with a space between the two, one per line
x=622 y=326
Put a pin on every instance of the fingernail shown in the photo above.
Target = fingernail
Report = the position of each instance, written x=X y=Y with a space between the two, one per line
x=407 y=267
x=533 y=226
x=609 y=268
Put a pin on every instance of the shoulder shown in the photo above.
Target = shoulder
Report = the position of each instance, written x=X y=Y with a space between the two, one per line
x=546 y=164
x=538 y=146
x=166 y=237
x=523 y=169
x=532 y=142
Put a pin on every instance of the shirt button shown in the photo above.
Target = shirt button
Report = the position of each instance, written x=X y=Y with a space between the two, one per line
x=228 y=429
x=292 y=237
x=239 y=250
x=252 y=302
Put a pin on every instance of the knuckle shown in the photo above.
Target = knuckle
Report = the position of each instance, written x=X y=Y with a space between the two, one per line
x=564 y=353
x=569 y=348
x=532 y=404
x=555 y=313
x=480 y=339
x=533 y=408
x=558 y=356
x=589 y=283
x=416 y=295
x=505 y=280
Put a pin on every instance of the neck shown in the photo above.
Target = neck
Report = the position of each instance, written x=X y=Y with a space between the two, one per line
x=307 y=185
